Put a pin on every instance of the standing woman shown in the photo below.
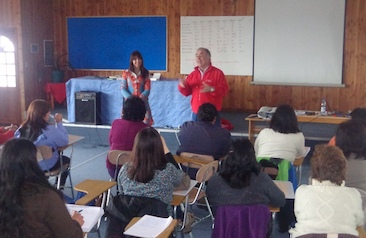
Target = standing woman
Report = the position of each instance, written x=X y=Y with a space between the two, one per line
x=37 y=129
x=136 y=82
x=29 y=205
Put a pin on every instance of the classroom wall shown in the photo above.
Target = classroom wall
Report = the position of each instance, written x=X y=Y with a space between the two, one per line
x=10 y=20
x=242 y=95
x=37 y=26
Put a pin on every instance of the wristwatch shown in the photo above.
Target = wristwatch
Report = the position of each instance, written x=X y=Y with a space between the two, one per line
x=212 y=90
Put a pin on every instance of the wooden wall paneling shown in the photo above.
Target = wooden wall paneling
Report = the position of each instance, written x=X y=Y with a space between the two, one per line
x=361 y=56
x=246 y=96
x=37 y=25
x=350 y=68
x=8 y=16
x=12 y=100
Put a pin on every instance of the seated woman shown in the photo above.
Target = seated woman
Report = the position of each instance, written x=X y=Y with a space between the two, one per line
x=146 y=182
x=37 y=129
x=241 y=181
x=283 y=139
x=358 y=114
x=123 y=131
x=31 y=205
x=282 y=143
x=351 y=139
x=6 y=133
x=327 y=206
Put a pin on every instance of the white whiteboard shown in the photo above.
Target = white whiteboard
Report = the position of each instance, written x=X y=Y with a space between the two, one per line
x=229 y=39
x=299 y=42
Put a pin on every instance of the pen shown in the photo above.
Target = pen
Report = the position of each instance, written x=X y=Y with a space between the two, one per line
x=80 y=210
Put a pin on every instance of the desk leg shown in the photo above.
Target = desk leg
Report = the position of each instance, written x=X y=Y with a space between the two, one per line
x=299 y=174
x=176 y=229
x=251 y=126
x=273 y=223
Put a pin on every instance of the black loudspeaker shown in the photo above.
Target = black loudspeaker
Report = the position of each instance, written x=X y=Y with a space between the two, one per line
x=88 y=108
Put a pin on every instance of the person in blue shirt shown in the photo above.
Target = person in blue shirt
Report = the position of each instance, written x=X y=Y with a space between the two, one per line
x=37 y=129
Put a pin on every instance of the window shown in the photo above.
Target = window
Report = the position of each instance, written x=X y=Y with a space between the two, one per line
x=7 y=63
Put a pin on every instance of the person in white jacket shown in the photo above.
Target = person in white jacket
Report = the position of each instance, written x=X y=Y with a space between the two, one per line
x=327 y=206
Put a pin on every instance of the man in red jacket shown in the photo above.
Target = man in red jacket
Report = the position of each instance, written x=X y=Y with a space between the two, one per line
x=206 y=84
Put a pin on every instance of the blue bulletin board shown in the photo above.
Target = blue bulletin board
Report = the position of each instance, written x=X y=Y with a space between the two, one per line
x=105 y=43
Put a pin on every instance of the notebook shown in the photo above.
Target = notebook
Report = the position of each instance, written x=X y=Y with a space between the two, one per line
x=90 y=214
x=149 y=226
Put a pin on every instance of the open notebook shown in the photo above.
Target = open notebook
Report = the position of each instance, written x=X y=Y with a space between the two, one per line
x=149 y=226
x=90 y=214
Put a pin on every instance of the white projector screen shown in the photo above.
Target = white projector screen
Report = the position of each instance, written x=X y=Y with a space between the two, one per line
x=299 y=42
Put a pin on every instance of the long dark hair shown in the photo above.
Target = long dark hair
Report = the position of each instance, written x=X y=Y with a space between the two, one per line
x=147 y=155
x=32 y=127
x=284 y=120
x=239 y=164
x=18 y=168
x=144 y=72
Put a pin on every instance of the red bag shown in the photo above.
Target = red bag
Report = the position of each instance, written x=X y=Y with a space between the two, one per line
x=226 y=124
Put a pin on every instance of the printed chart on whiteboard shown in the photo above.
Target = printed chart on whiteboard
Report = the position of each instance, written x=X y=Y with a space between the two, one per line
x=229 y=39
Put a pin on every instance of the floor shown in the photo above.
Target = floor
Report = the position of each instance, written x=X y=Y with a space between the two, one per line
x=89 y=155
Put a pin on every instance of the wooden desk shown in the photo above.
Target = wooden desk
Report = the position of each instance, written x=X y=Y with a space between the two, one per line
x=72 y=140
x=286 y=187
x=165 y=234
x=92 y=188
x=254 y=129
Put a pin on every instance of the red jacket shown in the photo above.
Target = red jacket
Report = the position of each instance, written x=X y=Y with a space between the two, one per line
x=213 y=77
x=5 y=135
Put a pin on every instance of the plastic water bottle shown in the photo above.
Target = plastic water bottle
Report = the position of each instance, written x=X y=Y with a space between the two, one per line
x=323 y=107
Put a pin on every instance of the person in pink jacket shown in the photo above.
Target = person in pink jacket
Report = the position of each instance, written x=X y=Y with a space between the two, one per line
x=206 y=84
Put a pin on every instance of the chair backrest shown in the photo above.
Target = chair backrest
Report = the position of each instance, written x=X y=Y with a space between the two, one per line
x=269 y=168
x=118 y=157
x=328 y=236
x=250 y=221
x=205 y=159
x=44 y=152
x=206 y=171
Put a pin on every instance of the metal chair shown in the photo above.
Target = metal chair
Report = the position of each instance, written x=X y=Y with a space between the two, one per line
x=45 y=152
x=205 y=159
x=117 y=158
x=94 y=189
x=204 y=173
x=328 y=236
